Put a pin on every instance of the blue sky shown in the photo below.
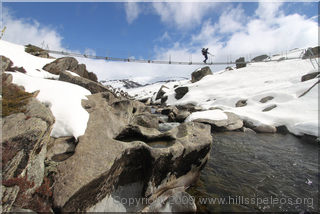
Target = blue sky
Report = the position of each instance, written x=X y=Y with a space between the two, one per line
x=178 y=30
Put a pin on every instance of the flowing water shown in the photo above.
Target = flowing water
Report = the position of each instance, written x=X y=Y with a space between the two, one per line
x=258 y=172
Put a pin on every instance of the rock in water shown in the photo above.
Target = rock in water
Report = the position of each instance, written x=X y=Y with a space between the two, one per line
x=105 y=172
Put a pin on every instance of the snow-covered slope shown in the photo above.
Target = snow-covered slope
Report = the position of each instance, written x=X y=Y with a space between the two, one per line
x=281 y=80
x=64 y=99
x=136 y=82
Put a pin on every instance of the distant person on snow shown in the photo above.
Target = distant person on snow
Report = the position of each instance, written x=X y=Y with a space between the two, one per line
x=205 y=54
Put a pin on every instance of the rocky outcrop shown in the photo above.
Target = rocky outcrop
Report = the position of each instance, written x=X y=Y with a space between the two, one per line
x=233 y=122
x=315 y=51
x=36 y=51
x=260 y=58
x=180 y=92
x=182 y=115
x=118 y=159
x=7 y=65
x=92 y=86
x=265 y=129
x=30 y=132
x=266 y=99
x=269 y=108
x=310 y=76
x=24 y=144
x=161 y=92
x=240 y=63
x=241 y=103
x=70 y=64
x=200 y=73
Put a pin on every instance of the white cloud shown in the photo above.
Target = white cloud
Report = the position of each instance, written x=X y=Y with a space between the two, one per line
x=267 y=31
x=27 y=31
x=268 y=10
x=132 y=11
x=182 y=14
x=231 y=20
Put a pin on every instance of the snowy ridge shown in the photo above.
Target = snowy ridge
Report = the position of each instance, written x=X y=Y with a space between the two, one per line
x=137 y=82
x=278 y=79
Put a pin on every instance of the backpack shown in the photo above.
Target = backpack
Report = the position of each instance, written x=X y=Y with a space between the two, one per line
x=203 y=51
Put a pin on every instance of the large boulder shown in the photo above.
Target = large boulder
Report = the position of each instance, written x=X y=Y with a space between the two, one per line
x=161 y=92
x=200 y=73
x=182 y=115
x=264 y=128
x=61 y=64
x=180 y=92
x=70 y=64
x=5 y=63
x=240 y=63
x=92 y=86
x=117 y=160
x=36 y=51
x=232 y=122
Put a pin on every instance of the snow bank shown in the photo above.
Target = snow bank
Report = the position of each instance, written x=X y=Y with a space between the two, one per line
x=280 y=80
x=64 y=99
x=211 y=115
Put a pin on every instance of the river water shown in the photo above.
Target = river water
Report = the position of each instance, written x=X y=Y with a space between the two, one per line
x=258 y=172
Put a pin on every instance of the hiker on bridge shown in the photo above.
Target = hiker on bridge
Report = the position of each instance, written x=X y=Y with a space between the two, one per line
x=205 y=54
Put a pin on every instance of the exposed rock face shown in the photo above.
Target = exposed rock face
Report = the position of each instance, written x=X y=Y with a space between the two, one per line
x=240 y=63
x=314 y=50
x=5 y=62
x=36 y=51
x=269 y=108
x=180 y=92
x=265 y=129
x=182 y=115
x=241 y=103
x=199 y=74
x=118 y=159
x=310 y=76
x=232 y=123
x=266 y=99
x=8 y=196
x=260 y=58
x=29 y=132
x=61 y=64
x=92 y=86
x=70 y=64
x=7 y=65
x=161 y=92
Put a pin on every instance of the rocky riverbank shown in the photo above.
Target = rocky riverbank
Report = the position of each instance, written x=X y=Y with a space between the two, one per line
x=121 y=157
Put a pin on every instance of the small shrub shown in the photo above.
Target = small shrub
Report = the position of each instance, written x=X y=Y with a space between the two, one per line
x=13 y=99
x=40 y=201
x=9 y=150
x=22 y=198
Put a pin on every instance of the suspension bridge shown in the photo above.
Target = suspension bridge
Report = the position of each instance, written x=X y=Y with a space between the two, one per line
x=313 y=60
